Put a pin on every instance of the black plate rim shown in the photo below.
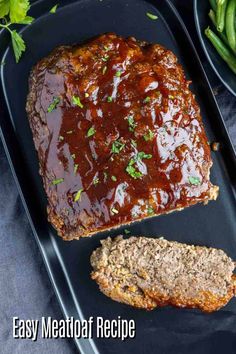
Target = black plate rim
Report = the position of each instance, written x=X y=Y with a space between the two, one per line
x=91 y=349
x=197 y=24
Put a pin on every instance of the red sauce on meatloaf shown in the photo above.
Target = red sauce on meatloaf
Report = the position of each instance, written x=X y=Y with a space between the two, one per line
x=118 y=133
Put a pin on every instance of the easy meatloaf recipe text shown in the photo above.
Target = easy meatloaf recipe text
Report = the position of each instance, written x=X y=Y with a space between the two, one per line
x=118 y=133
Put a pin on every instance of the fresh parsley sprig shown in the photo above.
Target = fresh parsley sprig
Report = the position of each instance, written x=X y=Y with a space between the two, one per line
x=15 y=12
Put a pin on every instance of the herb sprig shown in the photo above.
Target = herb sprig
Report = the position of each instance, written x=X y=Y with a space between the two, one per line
x=15 y=12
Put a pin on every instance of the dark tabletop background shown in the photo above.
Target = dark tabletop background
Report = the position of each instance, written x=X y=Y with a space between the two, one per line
x=25 y=289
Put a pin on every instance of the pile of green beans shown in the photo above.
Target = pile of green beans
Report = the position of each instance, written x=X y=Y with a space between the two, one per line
x=223 y=18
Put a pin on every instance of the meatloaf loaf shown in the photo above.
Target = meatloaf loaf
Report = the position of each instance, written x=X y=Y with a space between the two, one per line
x=148 y=273
x=118 y=133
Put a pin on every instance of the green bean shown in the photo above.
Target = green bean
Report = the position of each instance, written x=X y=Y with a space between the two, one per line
x=222 y=35
x=213 y=4
x=222 y=50
x=220 y=14
x=230 y=23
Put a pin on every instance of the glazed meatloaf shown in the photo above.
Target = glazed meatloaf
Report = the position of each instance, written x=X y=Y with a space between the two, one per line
x=118 y=133
x=148 y=273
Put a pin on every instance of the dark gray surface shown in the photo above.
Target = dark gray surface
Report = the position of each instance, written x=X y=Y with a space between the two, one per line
x=25 y=290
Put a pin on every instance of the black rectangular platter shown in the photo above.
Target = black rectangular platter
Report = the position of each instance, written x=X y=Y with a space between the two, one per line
x=165 y=330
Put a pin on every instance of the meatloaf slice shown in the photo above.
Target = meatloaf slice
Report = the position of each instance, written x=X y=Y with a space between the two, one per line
x=118 y=133
x=147 y=273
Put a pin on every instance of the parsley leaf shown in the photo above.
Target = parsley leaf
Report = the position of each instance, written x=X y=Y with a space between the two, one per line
x=194 y=180
x=109 y=99
x=78 y=195
x=142 y=155
x=4 y=8
x=76 y=101
x=105 y=58
x=149 y=135
x=127 y=231
x=26 y=21
x=104 y=69
x=57 y=181
x=15 y=12
x=18 y=44
x=91 y=132
x=96 y=180
x=147 y=99
x=18 y=10
x=150 y=210
x=151 y=16
x=132 y=124
x=105 y=174
x=54 y=104
x=53 y=9
x=114 y=178
x=114 y=211
x=131 y=170
x=117 y=146
x=118 y=73
x=75 y=168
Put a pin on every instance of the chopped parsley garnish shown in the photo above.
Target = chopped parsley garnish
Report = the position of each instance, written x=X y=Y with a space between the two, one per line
x=54 y=9
x=109 y=99
x=106 y=48
x=151 y=16
x=73 y=156
x=86 y=95
x=147 y=99
x=76 y=101
x=127 y=231
x=61 y=138
x=171 y=97
x=118 y=73
x=96 y=181
x=54 y=104
x=114 y=178
x=75 y=168
x=78 y=195
x=114 y=211
x=131 y=170
x=194 y=180
x=105 y=58
x=91 y=132
x=105 y=175
x=104 y=70
x=57 y=181
x=149 y=135
x=117 y=146
x=133 y=143
x=142 y=155
x=132 y=124
x=150 y=210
